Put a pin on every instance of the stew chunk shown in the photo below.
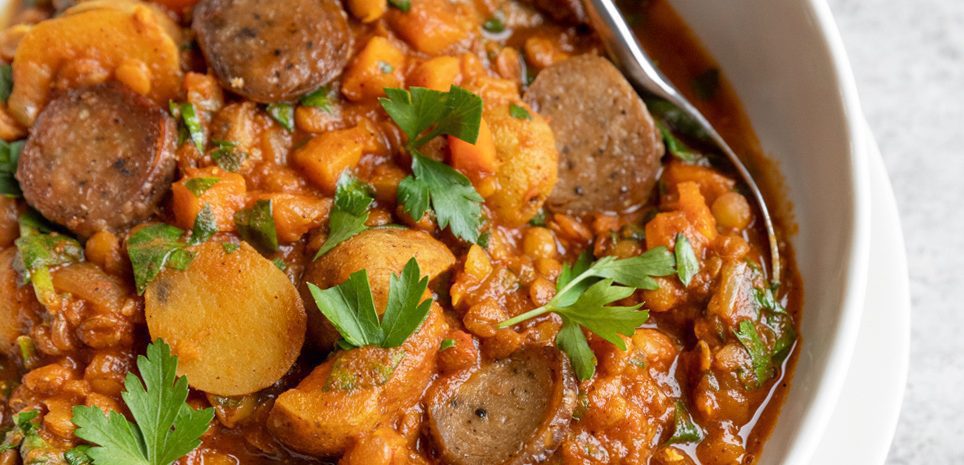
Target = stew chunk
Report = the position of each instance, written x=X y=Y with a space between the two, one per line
x=513 y=411
x=609 y=147
x=273 y=51
x=233 y=319
x=98 y=158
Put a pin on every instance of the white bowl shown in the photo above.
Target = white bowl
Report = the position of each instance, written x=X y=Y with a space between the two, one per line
x=788 y=65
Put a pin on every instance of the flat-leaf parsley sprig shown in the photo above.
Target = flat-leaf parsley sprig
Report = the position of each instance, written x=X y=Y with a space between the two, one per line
x=351 y=308
x=584 y=296
x=424 y=114
x=165 y=427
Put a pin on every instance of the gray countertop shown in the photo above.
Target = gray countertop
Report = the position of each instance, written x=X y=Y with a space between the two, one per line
x=908 y=57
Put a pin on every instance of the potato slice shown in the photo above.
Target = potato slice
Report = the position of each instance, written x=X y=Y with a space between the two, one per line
x=233 y=319
x=92 y=42
x=381 y=252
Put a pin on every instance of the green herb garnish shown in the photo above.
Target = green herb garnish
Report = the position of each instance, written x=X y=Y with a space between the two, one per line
x=494 y=25
x=322 y=99
x=446 y=345
x=199 y=186
x=677 y=147
x=518 y=112
x=403 y=5
x=687 y=264
x=280 y=264
x=205 y=225
x=230 y=247
x=190 y=123
x=256 y=225
x=228 y=156
x=351 y=309
x=747 y=334
x=284 y=114
x=686 y=430
x=424 y=114
x=39 y=249
x=165 y=427
x=78 y=456
x=6 y=81
x=152 y=249
x=352 y=201
x=9 y=155
x=385 y=67
x=584 y=294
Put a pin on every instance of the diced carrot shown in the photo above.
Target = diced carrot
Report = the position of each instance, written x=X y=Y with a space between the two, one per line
x=224 y=197
x=663 y=229
x=436 y=74
x=477 y=160
x=294 y=214
x=327 y=155
x=692 y=203
x=379 y=65
x=367 y=11
x=435 y=26
x=712 y=184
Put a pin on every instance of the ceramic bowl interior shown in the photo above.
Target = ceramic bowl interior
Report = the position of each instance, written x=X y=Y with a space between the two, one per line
x=785 y=59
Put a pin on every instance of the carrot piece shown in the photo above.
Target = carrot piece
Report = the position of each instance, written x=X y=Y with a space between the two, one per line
x=222 y=191
x=436 y=74
x=327 y=155
x=692 y=203
x=477 y=160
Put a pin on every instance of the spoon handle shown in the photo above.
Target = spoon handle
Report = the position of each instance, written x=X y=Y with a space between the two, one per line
x=628 y=55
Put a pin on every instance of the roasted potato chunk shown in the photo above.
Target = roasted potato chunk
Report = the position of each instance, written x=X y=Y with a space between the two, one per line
x=234 y=319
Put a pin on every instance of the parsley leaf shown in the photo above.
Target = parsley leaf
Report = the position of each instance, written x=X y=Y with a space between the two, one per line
x=403 y=5
x=677 y=147
x=687 y=264
x=457 y=205
x=9 y=155
x=494 y=25
x=350 y=308
x=446 y=345
x=6 y=81
x=747 y=334
x=153 y=248
x=205 y=225
x=190 y=123
x=256 y=225
x=585 y=294
x=322 y=99
x=686 y=430
x=423 y=114
x=38 y=250
x=78 y=456
x=350 y=212
x=284 y=114
x=518 y=112
x=199 y=186
x=165 y=427
x=228 y=156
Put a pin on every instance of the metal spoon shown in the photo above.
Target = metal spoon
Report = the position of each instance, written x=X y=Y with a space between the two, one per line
x=627 y=54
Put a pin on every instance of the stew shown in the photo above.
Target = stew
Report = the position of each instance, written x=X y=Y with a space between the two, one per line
x=376 y=232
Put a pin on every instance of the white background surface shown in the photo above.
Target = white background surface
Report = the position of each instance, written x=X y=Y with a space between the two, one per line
x=908 y=57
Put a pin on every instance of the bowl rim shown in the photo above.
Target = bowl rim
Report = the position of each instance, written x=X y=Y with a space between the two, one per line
x=833 y=374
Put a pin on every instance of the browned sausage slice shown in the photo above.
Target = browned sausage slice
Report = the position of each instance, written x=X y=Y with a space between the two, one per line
x=609 y=147
x=513 y=411
x=98 y=158
x=273 y=51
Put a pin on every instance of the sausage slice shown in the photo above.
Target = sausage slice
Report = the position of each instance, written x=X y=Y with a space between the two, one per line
x=513 y=411
x=609 y=147
x=98 y=158
x=273 y=51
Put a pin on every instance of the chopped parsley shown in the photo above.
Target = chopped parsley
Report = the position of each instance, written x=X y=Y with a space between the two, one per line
x=230 y=247
x=153 y=248
x=402 y=5
x=40 y=248
x=228 y=156
x=686 y=430
x=205 y=225
x=446 y=345
x=424 y=114
x=353 y=198
x=677 y=147
x=256 y=226
x=385 y=67
x=284 y=114
x=199 y=186
x=9 y=155
x=190 y=123
x=322 y=99
x=687 y=265
x=351 y=308
x=6 y=81
x=78 y=456
x=518 y=112
x=584 y=296
x=165 y=427
x=760 y=361
x=494 y=25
